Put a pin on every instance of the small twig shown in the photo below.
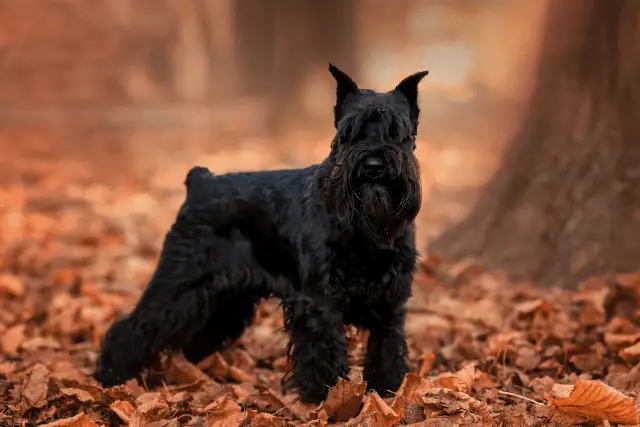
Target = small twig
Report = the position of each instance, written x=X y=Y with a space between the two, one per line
x=605 y=423
x=519 y=396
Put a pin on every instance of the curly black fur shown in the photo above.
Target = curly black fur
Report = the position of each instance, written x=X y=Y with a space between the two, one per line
x=334 y=242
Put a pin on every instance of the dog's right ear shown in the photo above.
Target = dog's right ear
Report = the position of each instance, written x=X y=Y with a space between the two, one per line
x=344 y=86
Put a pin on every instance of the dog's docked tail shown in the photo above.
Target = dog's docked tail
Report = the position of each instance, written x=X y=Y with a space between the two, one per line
x=197 y=180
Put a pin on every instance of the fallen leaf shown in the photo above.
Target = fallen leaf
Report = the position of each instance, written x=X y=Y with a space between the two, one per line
x=427 y=364
x=148 y=413
x=409 y=395
x=81 y=395
x=267 y=420
x=7 y=368
x=123 y=409
x=343 y=400
x=34 y=390
x=269 y=401
x=595 y=400
x=11 y=285
x=241 y=359
x=181 y=371
x=628 y=280
x=80 y=420
x=374 y=404
x=617 y=340
x=179 y=397
x=39 y=343
x=223 y=413
x=241 y=376
x=466 y=410
x=12 y=338
x=321 y=420
x=630 y=354
x=216 y=365
x=528 y=307
x=462 y=380
x=527 y=358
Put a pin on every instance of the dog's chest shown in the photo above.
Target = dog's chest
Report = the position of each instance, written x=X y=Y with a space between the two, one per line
x=360 y=282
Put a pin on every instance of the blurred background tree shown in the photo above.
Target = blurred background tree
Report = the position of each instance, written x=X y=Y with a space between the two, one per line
x=565 y=203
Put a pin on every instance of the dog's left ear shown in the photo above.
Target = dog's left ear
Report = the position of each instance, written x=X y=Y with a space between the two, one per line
x=344 y=86
x=409 y=88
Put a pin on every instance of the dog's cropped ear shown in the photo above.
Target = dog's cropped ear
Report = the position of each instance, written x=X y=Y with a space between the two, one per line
x=409 y=88
x=344 y=86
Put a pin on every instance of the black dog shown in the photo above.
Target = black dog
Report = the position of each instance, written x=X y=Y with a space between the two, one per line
x=334 y=242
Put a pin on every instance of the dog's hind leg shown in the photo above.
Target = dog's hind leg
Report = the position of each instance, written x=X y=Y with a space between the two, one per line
x=172 y=308
x=227 y=321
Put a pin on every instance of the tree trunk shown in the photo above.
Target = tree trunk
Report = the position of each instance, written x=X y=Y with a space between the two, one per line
x=302 y=42
x=254 y=45
x=565 y=204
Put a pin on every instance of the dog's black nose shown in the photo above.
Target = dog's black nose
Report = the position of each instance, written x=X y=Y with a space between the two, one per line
x=373 y=166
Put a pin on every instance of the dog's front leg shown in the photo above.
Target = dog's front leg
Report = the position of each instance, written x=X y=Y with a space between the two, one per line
x=386 y=361
x=318 y=346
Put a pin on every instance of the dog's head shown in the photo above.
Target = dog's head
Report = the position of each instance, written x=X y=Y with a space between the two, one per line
x=371 y=176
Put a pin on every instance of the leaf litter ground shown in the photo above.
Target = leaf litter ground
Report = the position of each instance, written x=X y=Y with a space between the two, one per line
x=484 y=351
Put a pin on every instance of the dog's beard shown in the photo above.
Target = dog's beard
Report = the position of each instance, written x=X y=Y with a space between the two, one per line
x=379 y=210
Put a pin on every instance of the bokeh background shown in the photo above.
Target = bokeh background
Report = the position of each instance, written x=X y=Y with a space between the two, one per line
x=133 y=92
x=530 y=224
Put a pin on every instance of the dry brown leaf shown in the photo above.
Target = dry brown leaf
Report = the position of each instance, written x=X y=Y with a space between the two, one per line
x=264 y=419
x=151 y=397
x=269 y=400
x=528 y=307
x=344 y=399
x=123 y=409
x=7 y=368
x=365 y=420
x=241 y=376
x=223 y=413
x=321 y=420
x=427 y=364
x=374 y=404
x=181 y=371
x=179 y=397
x=305 y=411
x=148 y=413
x=618 y=340
x=80 y=420
x=596 y=400
x=409 y=394
x=34 y=390
x=216 y=365
x=356 y=374
x=630 y=354
x=628 y=280
x=11 y=285
x=282 y=363
x=527 y=358
x=12 y=338
x=462 y=380
x=40 y=343
x=81 y=395
x=467 y=410
x=240 y=359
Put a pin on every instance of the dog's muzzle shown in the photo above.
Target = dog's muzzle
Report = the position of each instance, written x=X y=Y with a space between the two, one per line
x=373 y=167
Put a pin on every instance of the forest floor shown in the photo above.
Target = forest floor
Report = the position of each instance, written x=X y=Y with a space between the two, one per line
x=484 y=351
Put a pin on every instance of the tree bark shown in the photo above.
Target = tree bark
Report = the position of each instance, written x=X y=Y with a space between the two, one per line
x=565 y=204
